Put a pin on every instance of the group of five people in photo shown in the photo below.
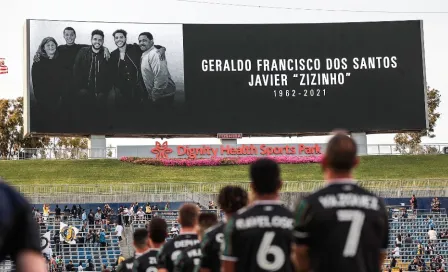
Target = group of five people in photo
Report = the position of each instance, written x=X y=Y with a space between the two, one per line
x=80 y=83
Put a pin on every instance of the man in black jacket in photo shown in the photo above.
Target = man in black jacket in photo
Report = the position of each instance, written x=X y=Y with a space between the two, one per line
x=93 y=85
x=128 y=87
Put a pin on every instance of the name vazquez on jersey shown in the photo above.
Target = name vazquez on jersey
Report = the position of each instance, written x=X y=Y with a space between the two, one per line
x=343 y=224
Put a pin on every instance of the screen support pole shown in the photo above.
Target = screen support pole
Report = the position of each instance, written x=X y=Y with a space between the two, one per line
x=229 y=141
x=97 y=147
x=361 y=140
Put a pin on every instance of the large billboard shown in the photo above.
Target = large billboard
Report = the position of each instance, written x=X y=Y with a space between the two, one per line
x=129 y=79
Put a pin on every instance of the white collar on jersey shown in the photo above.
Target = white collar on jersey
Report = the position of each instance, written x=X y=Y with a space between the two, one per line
x=187 y=233
x=267 y=202
x=140 y=254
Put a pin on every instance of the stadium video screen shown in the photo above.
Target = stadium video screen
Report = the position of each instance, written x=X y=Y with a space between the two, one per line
x=124 y=79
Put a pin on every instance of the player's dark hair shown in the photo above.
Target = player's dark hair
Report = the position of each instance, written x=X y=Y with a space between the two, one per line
x=265 y=176
x=140 y=238
x=340 y=155
x=148 y=35
x=232 y=198
x=97 y=32
x=158 y=230
x=188 y=215
x=207 y=219
x=69 y=28
x=122 y=31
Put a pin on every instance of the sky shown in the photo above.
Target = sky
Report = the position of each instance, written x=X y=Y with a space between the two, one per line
x=14 y=14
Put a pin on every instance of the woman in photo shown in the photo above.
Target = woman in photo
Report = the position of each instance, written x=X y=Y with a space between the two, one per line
x=49 y=81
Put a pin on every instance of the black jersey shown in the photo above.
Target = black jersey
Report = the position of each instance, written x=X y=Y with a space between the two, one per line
x=170 y=251
x=259 y=238
x=147 y=262
x=344 y=225
x=211 y=248
x=188 y=260
x=18 y=229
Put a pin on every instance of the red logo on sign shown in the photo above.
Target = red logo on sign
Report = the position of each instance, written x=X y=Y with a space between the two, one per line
x=161 y=150
x=3 y=67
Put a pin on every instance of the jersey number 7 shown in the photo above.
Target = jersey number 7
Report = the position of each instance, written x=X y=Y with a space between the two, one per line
x=356 y=218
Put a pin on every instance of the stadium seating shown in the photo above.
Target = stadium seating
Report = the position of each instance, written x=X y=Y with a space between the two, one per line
x=82 y=251
x=417 y=225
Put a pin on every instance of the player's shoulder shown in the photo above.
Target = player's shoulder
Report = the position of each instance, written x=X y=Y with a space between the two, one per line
x=151 y=253
x=169 y=245
x=213 y=230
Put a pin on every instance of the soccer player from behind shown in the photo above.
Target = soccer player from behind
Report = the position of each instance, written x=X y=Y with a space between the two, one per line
x=19 y=235
x=259 y=238
x=341 y=227
x=230 y=200
x=188 y=219
x=141 y=261
x=189 y=259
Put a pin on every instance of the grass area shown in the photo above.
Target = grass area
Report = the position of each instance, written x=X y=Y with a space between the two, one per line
x=115 y=172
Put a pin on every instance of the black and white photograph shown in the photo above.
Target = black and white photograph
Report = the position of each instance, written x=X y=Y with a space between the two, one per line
x=98 y=77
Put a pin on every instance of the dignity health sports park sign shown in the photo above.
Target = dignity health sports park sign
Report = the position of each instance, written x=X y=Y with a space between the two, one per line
x=162 y=150
x=256 y=79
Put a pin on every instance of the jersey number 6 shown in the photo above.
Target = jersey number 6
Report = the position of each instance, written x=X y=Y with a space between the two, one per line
x=267 y=248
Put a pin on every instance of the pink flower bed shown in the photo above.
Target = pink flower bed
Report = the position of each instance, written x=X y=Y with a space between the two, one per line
x=221 y=161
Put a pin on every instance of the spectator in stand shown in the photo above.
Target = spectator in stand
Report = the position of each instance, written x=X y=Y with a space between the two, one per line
x=431 y=222
x=66 y=212
x=140 y=214
x=404 y=214
x=105 y=269
x=408 y=239
x=90 y=266
x=119 y=230
x=148 y=208
x=167 y=206
x=414 y=204
x=57 y=212
x=444 y=236
x=413 y=266
x=393 y=262
x=396 y=252
x=80 y=266
x=70 y=266
x=103 y=243
x=419 y=249
x=74 y=211
x=98 y=216
x=91 y=218
x=398 y=241
x=435 y=205
x=46 y=211
x=432 y=234
x=429 y=250
x=80 y=211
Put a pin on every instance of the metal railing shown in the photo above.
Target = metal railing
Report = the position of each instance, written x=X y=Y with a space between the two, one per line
x=64 y=154
x=111 y=152
x=214 y=187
